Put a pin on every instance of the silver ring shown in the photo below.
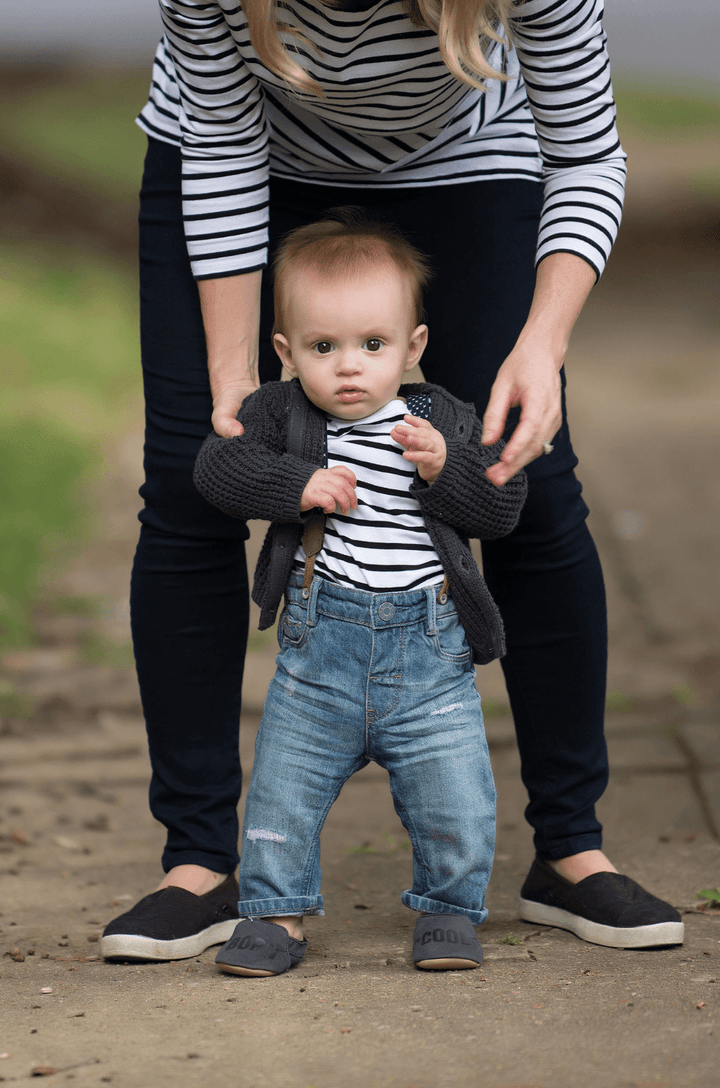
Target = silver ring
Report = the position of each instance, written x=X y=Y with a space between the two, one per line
x=547 y=448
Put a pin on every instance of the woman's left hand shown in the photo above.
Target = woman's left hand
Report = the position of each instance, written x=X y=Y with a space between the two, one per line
x=530 y=376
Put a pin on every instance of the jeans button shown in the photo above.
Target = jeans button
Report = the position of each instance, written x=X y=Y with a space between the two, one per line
x=386 y=611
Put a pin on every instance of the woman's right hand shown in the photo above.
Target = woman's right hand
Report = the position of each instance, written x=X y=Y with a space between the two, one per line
x=226 y=405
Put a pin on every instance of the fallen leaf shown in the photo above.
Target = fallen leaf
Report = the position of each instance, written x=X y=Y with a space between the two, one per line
x=66 y=843
x=43 y=1071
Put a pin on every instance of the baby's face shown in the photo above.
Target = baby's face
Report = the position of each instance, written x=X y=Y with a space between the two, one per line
x=350 y=340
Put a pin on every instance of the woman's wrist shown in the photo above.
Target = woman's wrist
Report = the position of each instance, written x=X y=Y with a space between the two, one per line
x=231 y=316
x=563 y=284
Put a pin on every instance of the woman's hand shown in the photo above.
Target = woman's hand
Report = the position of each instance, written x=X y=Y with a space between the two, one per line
x=226 y=405
x=530 y=376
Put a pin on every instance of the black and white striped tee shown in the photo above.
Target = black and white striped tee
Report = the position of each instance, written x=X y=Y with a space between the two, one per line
x=392 y=115
x=383 y=545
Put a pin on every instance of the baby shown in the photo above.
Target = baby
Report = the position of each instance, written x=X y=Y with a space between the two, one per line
x=385 y=609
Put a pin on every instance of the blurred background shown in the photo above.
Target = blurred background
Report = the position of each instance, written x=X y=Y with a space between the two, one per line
x=643 y=369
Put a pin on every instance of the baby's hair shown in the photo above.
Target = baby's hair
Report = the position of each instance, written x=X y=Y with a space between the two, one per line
x=345 y=242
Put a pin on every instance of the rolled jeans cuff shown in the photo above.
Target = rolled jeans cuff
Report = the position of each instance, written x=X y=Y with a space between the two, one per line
x=265 y=908
x=434 y=906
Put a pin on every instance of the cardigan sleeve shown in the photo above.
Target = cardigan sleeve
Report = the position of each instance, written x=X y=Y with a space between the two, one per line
x=252 y=476
x=224 y=138
x=562 y=52
x=463 y=497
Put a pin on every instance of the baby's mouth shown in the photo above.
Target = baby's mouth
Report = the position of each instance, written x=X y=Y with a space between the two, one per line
x=349 y=394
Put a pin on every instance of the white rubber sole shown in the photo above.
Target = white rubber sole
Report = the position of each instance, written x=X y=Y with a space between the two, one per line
x=447 y=963
x=128 y=946
x=662 y=933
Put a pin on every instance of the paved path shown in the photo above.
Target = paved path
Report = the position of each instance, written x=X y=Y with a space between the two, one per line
x=544 y=1010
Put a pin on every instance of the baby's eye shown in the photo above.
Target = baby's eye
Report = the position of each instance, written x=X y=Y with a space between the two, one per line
x=372 y=345
x=323 y=347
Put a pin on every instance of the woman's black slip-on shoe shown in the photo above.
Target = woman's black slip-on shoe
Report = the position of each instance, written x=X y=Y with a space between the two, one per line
x=445 y=942
x=173 y=924
x=258 y=948
x=605 y=908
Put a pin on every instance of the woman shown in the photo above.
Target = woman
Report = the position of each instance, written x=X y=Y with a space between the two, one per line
x=491 y=159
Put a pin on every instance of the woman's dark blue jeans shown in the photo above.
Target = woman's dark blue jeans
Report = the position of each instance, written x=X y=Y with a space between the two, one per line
x=189 y=596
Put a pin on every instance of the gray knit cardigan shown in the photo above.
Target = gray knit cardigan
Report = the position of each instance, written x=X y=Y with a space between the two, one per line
x=254 y=476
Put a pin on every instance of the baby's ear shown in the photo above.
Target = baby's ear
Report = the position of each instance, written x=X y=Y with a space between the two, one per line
x=418 y=343
x=283 y=349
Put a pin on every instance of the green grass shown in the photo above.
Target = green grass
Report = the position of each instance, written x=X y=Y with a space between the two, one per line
x=70 y=323
x=667 y=113
x=711 y=895
x=617 y=702
x=81 y=130
x=683 y=695
x=69 y=376
x=40 y=510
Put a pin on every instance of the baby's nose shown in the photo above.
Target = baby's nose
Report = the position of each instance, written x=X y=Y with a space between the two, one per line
x=349 y=362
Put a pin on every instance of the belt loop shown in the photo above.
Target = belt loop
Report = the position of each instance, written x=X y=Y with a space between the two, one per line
x=312 y=602
x=431 y=599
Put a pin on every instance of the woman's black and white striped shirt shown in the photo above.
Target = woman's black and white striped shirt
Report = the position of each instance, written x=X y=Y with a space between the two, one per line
x=392 y=115
x=383 y=544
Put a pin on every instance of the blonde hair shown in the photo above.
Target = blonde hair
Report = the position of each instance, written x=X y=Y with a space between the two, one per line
x=465 y=30
x=344 y=243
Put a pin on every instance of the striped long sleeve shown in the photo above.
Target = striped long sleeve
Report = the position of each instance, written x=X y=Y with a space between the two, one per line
x=391 y=115
x=566 y=71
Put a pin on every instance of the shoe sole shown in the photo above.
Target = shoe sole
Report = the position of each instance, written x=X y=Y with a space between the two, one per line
x=129 y=946
x=661 y=933
x=246 y=972
x=446 y=963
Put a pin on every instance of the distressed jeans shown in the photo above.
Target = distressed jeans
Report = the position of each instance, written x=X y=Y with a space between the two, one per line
x=362 y=676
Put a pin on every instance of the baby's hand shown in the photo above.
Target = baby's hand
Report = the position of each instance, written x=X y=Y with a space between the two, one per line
x=424 y=446
x=330 y=487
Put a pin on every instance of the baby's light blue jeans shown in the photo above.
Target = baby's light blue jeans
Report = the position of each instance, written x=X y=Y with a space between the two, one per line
x=384 y=676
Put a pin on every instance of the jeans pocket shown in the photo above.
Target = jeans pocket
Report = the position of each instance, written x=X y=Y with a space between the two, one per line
x=450 y=641
x=293 y=627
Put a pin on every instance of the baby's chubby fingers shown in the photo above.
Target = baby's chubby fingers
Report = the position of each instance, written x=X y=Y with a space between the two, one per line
x=343 y=470
x=329 y=488
x=423 y=445
x=410 y=433
x=342 y=489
